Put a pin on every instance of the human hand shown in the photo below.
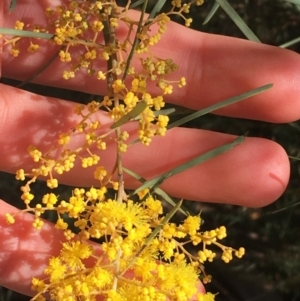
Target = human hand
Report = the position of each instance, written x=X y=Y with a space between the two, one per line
x=253 y=174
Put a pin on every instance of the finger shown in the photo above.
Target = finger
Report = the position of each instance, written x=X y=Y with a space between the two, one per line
x=215 y=67
x=24 y=250
x=254 y=173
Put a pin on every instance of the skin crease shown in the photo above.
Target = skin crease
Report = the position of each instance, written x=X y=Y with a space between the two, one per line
x=254 y=173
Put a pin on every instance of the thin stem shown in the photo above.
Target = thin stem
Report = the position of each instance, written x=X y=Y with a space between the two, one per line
x=26 y=33
x=40 y=70
x=136 y=39
x=110 y=40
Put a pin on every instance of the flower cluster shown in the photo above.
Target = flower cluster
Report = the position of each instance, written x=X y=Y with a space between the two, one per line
x=130 y=265
x=143 y=256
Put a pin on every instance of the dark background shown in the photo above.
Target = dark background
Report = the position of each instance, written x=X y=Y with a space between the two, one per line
x=270 y=269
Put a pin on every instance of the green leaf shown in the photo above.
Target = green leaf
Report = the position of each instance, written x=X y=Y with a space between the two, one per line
x=211 y=13
x=238 y=20
x=40 y=70
x=284 y=208
x=183 y=167
x=295 y=125
x=136 y=40
x=294 y=158
x=157 y=8
x=12 y=6
x=297 y=2
x=157 y=190
x=26 y=33
x=290 y=43
x=138 y=109
x=164 y=112
x=136 y=4
x=219 y=105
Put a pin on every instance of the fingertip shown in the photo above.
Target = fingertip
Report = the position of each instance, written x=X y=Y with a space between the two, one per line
x=270 y=173
x=254 y=173
x=219 y=67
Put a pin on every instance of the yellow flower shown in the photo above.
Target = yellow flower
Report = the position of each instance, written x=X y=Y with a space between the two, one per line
x=56 y=270
x=221 y=232
x=205 y=297
x=169 y=230
x=158 y=102
x=100 y=173
x=27 y=197
x=20 y=175
x=141 y=194
x=192 y=224
x=154 y=207
x=37 y=285
x=100 y=278
x=49 y=200
x=130 y=100
x=188 y=22
x=19 y=25
x=52 y=183
x=179 y=278
x=114 y=22
x=227 y=255
x=182 y=82
x=68 y=74
x=14 y=51
x=101 y=75
x=105 y=55
x=75 y=206
x=64 y=139
x=97 y=26
x=35 y=154
x=118 y=85
x=33 y=47
x=38 y=223
x=73 y=250
x=65 y=56
x=240 y=252
x=61 y=224
x=9 y=218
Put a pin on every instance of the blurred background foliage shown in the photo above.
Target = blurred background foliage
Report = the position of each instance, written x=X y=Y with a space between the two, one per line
x=270 y=269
